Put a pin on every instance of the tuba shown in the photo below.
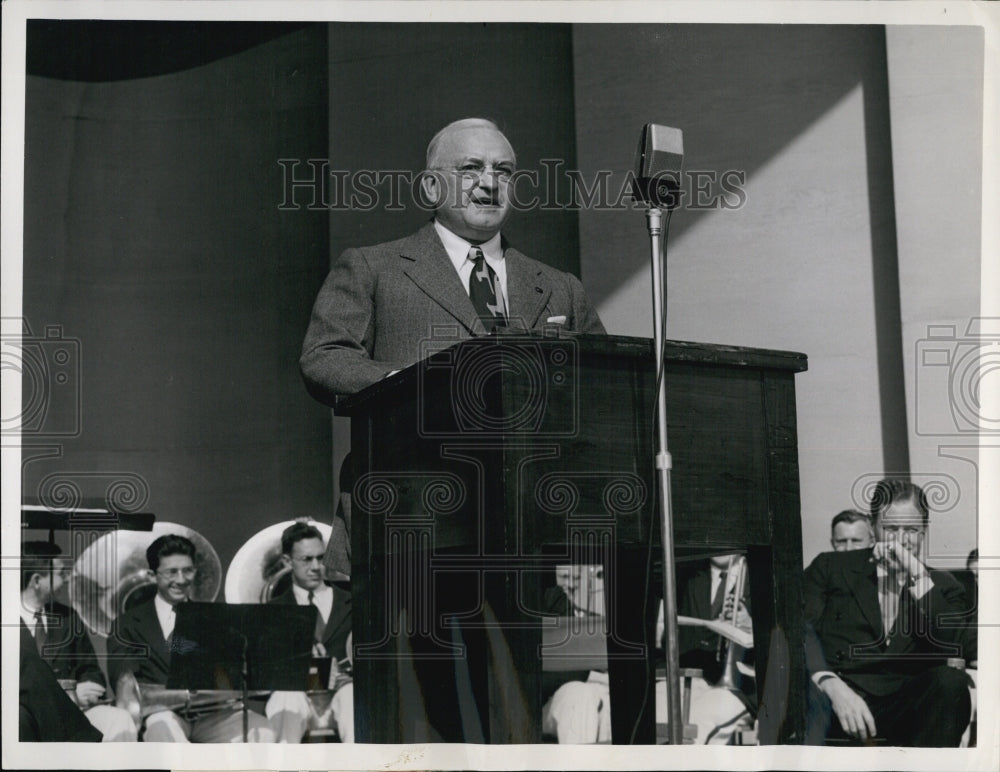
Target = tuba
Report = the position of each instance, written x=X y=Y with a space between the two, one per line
x=111 y=574
x=257 y=568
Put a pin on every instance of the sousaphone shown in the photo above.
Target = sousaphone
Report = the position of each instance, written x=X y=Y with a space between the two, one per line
x=257 y=567
x=112 y=575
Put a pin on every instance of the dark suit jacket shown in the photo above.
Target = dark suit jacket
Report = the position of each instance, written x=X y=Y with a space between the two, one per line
x=137 y=645
x=844 y=624
x=379 y=306
x=338 y=626
x=45 y=711
x=68 y=650
x=699 y=646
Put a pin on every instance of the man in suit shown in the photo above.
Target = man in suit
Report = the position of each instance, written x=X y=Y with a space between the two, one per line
x=57 y=633
x=382 y=307
x=580 y=711
x=45 y=711
x=302 y=551
x=140 y=646
x=851 y=530
x=386 y=306
x=878 y=632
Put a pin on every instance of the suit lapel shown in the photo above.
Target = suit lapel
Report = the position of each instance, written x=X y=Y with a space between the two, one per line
x=861 y=578
x=151 y=633
x=527 y=290
x=430 y=269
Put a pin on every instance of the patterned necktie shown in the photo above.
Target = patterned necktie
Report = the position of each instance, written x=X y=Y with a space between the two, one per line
x=39 y=631
x=482 y=291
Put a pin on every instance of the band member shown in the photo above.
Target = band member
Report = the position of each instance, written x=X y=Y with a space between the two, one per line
x=140 y=646
x=851 y=530
x=58 y=635
x=580 y=711
x=879 y=636
x=302 y=551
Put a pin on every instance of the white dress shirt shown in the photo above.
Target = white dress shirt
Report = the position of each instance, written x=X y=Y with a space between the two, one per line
x=166 y=615
x=28 y=616
x=322 y=599
x=458 y=251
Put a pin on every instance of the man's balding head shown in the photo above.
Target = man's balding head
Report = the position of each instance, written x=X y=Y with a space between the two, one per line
x=469 y=167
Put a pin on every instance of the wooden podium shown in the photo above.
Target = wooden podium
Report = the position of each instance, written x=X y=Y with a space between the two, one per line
x=483 y=466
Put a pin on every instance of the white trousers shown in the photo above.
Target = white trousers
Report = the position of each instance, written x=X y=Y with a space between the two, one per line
x=223 y=726
x=580 y=712
x=114 y=723
x=292 y=713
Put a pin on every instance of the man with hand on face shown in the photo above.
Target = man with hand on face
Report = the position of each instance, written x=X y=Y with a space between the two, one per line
x=302 y=551
x=62 y=642
x=140 y=646
x=851 y=530
x=878 y=639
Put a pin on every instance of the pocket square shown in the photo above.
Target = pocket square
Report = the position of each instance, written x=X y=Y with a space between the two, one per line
x=556 y=320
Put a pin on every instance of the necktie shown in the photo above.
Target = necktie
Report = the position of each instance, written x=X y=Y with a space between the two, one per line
x=720 y=596
x=482 y=291
x=171 y=623
x=891 y=602
x=39 y=631
x=320 y=630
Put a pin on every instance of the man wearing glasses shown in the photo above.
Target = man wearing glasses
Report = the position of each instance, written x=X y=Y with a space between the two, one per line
x=302 y=552
x=384 y=307
x=141 y=647
x=884 y=633
x=379 y=305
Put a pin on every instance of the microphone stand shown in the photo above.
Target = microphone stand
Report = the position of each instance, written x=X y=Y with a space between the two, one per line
x=664 y=464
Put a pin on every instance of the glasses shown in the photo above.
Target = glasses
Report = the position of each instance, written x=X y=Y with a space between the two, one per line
x=306 y=560
x=503 y=171
x=173 y=574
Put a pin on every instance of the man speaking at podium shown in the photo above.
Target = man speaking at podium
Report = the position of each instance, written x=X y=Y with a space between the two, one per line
x=384 y=307
x=379 y=304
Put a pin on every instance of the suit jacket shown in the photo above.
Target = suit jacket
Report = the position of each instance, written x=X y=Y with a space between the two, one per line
x=137 y=645
x=338 y=625
x=844 y=624
x=698 y=646
x=387 y=306
x=68 y=650
x=45 y=711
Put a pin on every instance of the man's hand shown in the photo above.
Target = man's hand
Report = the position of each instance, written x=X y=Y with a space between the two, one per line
x=88 y=693
x=897 y=557
x=742 y=619
x=852 y=711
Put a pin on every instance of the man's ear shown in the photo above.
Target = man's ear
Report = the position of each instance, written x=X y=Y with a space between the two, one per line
x=286 y=560
x=430 y=189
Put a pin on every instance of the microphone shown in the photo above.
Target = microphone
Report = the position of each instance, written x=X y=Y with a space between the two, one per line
x=658 y=162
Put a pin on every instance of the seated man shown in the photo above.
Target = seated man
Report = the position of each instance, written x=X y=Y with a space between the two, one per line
x=302 y=549
x=580 y=711
x=61 y=640
x=720 y=699
x=140 y=646
x=877 y=642
x=851 y=530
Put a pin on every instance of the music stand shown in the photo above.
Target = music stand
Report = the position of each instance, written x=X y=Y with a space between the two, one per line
x=241 y=646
